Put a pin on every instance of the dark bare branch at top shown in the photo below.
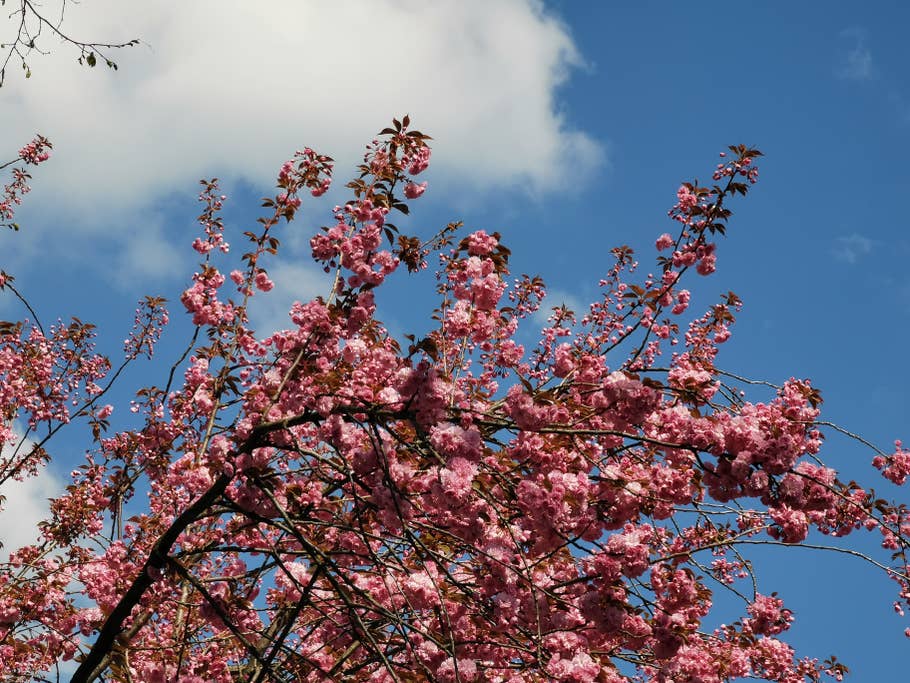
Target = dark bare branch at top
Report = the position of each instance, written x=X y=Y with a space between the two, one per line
x=31 y=26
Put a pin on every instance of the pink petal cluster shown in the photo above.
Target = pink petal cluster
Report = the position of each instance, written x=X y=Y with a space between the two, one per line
x=483 y=501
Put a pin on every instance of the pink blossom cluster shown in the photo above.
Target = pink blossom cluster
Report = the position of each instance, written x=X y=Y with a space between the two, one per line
x=330 y=503
x=34 y=153
x=418 y=161
x=13 y=192
x=306 y=170
x=896 y=466
x=202 y=300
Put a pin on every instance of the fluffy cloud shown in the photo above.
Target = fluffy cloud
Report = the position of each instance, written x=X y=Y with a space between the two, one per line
x=856 y=64
x=851 y=247
x=230 y=88
x=293 y=282
x=24 y=506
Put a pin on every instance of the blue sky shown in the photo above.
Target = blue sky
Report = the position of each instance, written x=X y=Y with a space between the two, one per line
x=567 y=126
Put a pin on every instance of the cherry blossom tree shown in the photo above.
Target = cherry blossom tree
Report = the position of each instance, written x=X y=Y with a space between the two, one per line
x=331 y=503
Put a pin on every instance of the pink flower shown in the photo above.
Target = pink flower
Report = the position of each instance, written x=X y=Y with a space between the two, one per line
x=564 y=362
x=457 y=477
x=420 y=161
x=682 y=301
x=263 y=282
x=480 y=243
x=895 y=467
x=413 y=190
x=579 y=669
x=769 y=617
x=201 y=246
x=35 y=151
x=665 y=241
x=792 y=525
x=686 y=198
x=707 y=265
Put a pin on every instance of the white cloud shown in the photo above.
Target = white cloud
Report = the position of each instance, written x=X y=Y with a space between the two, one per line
x=856 y=64
x=231 y=88
x=852 y=247
x=25 y=506
x=293 y=282
x=148 y=254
